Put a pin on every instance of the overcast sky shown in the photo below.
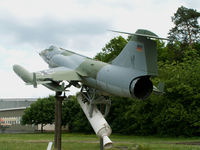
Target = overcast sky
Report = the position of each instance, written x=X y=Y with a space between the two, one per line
x=28 y=26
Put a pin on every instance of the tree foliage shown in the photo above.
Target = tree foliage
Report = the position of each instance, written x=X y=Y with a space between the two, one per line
x=186 y=28
x=181 y=98
x=40 y=112
x=74 y=116
x=112 y=49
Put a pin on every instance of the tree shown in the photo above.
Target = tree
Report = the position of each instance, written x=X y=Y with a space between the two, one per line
x=186 y=29
x=117 y=116
x=179 y=106
x=40 y=112
x=112 y=49
x=74 y=116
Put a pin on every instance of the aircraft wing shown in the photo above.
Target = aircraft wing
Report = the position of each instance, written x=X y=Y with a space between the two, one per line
x=46 y=77
x=58 y=74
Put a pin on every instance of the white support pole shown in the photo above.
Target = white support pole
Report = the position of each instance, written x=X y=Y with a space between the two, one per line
x=49 y=145
x=98 y=123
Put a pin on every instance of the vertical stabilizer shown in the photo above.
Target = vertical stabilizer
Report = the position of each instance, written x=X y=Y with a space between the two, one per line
x=140 y=53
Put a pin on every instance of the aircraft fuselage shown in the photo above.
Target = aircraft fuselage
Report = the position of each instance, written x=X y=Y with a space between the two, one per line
x=111 y=79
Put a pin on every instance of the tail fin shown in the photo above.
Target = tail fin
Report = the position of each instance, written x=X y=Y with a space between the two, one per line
x=140 y=53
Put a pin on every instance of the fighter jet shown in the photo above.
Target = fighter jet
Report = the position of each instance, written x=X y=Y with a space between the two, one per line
x=128 y=75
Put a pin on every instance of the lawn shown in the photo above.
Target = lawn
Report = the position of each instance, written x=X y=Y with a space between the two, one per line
x=91 y=142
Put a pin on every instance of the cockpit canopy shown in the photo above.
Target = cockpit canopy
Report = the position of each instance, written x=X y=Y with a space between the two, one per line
x=48 y=53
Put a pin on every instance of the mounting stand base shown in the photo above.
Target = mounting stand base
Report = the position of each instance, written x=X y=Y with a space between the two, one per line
x=101 y=144
x=58 y=116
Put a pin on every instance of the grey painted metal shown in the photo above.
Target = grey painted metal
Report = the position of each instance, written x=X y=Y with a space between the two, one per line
x=72 y=61
x=140 y=54
x=130 y=57
x=117 y=82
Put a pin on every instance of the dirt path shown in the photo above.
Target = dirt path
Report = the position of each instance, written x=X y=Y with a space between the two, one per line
x=189 y=143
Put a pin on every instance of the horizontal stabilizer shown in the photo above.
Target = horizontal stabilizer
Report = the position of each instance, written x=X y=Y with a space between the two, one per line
x=138 y=34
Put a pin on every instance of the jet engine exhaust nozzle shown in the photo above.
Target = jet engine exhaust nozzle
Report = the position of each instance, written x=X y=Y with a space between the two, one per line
x=141 y=87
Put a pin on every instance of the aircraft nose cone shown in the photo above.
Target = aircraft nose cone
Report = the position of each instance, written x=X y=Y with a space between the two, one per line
x=42 y=53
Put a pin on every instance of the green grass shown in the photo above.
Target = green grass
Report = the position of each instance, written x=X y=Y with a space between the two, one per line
x=91 y=142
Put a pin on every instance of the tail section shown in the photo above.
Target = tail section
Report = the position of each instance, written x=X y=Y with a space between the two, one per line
x=140 y=53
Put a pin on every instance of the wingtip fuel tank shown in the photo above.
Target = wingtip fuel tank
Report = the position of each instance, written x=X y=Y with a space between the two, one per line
x=24 y=74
